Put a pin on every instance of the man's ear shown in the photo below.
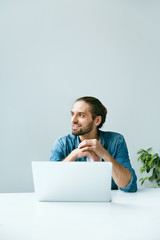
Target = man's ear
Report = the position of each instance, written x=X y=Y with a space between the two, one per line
x=98 y=120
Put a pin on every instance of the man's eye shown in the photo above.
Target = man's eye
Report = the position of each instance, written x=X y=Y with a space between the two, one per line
x=81 y=115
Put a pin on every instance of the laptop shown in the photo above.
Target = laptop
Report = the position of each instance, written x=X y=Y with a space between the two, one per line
x=72 y=181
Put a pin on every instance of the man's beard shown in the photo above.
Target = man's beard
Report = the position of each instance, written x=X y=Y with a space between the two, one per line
x=83 y=131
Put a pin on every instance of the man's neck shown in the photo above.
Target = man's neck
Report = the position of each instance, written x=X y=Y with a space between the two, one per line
x=91 y=135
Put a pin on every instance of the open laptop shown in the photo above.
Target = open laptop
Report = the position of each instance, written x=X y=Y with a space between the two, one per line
x=72 y=181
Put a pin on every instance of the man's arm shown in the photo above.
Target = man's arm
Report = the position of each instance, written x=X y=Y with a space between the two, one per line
x=120 y=174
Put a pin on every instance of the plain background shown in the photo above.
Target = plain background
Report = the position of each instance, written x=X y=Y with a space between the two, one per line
x=52 y=52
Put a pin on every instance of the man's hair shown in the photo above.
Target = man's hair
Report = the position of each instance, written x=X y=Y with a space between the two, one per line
x=96 y=108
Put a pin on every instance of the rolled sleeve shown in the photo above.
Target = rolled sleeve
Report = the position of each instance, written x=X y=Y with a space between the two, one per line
x=132 y=186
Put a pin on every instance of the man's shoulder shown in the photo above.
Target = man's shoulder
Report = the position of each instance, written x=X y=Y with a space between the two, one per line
x=67 y=138
x=109 y=135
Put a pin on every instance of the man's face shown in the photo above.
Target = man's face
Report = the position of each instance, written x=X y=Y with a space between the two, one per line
x=82 y=122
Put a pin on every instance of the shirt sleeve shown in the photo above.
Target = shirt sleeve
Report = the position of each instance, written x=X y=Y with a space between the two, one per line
x=123 y=158
x=57 y=151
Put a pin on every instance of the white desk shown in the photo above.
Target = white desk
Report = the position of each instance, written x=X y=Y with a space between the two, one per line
x=130 y=216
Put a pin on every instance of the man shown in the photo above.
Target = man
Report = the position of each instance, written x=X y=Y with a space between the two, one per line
x=88 y=143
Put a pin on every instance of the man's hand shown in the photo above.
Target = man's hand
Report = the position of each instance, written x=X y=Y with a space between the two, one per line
x=94 y=146
x=79 y=153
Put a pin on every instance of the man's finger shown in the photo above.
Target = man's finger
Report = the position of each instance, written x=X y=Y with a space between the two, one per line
x=86 y=143
x=88 y=148
x=94 y=156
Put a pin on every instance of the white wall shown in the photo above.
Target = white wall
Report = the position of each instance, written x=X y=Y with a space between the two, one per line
x=55 y=51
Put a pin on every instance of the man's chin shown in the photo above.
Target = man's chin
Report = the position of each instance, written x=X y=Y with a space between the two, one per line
x=76 y=133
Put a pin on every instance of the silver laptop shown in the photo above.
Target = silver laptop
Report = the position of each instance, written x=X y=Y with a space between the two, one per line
x=72 y=181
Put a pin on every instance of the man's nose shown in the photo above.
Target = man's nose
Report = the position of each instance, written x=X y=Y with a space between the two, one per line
x=74 y=118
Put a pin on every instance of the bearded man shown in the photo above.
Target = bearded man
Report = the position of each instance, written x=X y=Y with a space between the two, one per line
x=88 y=143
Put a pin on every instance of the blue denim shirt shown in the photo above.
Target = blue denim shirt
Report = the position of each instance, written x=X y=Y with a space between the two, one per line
x=113 y=142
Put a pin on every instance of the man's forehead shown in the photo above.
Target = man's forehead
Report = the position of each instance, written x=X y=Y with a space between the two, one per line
x=81 y=106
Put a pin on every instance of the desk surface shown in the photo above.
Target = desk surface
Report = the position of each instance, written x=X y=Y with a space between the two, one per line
x=130 y=216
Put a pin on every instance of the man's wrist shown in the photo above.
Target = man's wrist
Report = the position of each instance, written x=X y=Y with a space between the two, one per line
x=71 y=157
x=107 y=157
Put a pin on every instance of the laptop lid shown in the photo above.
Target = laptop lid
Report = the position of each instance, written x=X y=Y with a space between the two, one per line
x=72 y=181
